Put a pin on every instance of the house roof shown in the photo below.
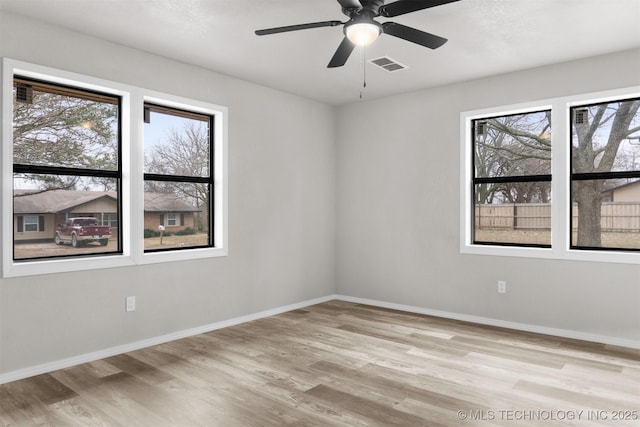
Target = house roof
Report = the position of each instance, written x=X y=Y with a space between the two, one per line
x=628 y=184
x=55 y=201
x=159 y=202
x=61 y=201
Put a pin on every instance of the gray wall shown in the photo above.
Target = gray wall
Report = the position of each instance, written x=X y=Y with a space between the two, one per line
x=398 y=204
x=299 y=177
x=281 y=208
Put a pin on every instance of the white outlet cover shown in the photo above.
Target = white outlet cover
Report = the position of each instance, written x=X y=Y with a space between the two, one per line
x=502 y=287
x=130 y=304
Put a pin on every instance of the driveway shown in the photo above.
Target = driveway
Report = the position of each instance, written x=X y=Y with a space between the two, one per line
x=50 y=249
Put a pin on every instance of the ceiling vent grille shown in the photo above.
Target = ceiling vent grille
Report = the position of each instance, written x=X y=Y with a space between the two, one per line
x=388 y=64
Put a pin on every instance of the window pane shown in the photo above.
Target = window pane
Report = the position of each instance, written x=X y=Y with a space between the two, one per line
x=30 y=223
x=40 y=215
x=605 y=189
x=513 y=145
x=603 y=137
x=605 y=213
x=176 y=215
x=171 y=219
x=513 y=192
x=64 y=127
x=178 y=183
x=57 y=130
x=508 y=221
x=176 y=143
x=110 y=220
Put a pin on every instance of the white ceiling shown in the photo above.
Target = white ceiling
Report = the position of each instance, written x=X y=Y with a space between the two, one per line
x=485 y=37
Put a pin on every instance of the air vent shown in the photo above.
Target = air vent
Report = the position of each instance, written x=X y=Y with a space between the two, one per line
x=581 y=116
x=388 y=64
x=481 y=128
x=24 y=93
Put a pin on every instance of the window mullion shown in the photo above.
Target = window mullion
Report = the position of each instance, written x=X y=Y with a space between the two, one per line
x=560 y=195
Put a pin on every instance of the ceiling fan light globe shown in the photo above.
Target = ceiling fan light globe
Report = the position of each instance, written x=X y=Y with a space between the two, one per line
x=362 y=34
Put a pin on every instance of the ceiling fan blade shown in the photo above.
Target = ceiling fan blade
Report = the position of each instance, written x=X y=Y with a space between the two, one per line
x=415 y=36
x=401 y=7
x=342 y=54
x=297 y=27
x=350 y=4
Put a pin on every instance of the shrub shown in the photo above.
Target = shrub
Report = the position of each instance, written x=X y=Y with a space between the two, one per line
x=150 y=233
x=187 y=231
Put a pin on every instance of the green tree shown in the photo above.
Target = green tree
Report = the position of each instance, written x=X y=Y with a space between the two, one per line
x=515 y=145
x=596 y=143
x=64 y=131
x=595 y=149
x=185 y=153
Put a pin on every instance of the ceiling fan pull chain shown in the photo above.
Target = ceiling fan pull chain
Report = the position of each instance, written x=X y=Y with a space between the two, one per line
x=364 y=66
x=364 y=70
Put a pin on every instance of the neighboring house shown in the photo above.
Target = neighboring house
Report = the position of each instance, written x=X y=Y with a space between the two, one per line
x=168 y=210
x=36 y=215
x=629 y=192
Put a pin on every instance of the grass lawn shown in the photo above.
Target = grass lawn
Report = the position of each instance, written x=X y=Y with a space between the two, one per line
x=630 y=240
x=175 y=241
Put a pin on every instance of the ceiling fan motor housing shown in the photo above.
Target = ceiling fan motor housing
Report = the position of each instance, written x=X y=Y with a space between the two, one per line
x=363 y=15
x=370 y=8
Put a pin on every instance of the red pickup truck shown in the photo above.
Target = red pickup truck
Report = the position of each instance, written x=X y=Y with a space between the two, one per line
x=78 y=231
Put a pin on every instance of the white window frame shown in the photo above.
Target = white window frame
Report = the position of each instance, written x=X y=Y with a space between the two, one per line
x=132 y=194
x=37 y=222
x=560 y=183
x=171 y=216
x=220 y=177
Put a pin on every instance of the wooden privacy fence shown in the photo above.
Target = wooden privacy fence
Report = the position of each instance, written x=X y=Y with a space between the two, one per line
x=621 y=216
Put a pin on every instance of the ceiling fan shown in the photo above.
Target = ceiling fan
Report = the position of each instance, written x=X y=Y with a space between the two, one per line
x=361 y=29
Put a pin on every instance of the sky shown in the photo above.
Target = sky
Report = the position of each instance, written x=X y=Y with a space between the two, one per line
x=160 y=127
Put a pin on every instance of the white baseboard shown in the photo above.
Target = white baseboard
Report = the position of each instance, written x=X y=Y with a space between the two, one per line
x=113 y=351
x=603 y=339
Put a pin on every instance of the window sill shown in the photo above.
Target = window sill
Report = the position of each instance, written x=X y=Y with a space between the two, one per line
x=182 y=255
x=552 y=253
x=38 y=267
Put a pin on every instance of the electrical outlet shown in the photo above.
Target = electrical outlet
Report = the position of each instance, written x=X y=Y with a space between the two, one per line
x=502 y=287
x=130 y=304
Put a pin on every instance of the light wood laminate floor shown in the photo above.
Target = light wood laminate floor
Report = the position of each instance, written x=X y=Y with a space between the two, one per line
x=341 y=364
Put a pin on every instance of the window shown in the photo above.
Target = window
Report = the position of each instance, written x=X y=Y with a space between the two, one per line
x=512 y=179
x=109 y=219
x=178 y=179
x=31 y=223
x=171 y=219
x=66 y=158
x=605 y=175
x=81 y=149
x=573 y=193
